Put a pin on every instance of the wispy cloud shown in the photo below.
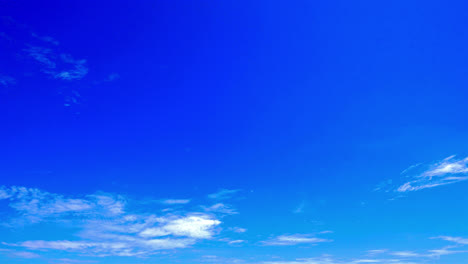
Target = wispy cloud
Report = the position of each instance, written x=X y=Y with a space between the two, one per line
x=47 y=39
x=223 y=194
x=7 y=80
x=221 y=208
x=107 y=226
x=77 y=72
x=35 y=205
x=448 y=171
x=218 y=259
x=385 y=256
x=326 y=259
x=59 y=66
x=112 y=77
x=401 y=258
x=175 y=201
x=405 y=254
x=44 y=56
x=237 y=241
x=458 y=240
x=70 y=261
x=376 y=251
x=238 y=229
x=299 y=208
x=289 y=240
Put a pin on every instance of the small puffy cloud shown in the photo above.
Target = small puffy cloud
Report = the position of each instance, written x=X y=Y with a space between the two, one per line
x=194 y=226
x=289 y=240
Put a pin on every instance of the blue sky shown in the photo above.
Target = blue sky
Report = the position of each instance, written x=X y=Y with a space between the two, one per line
x=250 y=132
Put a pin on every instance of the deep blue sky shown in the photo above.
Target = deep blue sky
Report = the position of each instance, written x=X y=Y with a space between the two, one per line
x=301 y=116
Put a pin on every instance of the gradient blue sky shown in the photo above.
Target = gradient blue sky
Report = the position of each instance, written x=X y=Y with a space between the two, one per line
x=249 y=132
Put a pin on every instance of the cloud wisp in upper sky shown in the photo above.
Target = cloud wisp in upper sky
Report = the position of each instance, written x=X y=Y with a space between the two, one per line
x=223 y=194
x=426 y=176
x=6 y=81
x=448 y=171
x=291 y=240
x=175 y=201
x=59 y=66
x=49 y=59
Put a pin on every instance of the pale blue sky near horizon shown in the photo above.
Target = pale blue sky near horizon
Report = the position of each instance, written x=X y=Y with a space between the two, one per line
x=256 y=132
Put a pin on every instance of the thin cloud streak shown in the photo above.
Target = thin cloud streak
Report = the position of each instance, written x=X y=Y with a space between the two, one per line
x=290 y=240
x=448 y=171
x=175 y=201
x=223 y=194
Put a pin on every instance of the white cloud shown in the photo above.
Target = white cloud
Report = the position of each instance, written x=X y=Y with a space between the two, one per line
x=36 y=205
x=288 y=240
x=58 y=66
x=193 y=226
x=447 y=171
x=458 y=240
x=46 y=39
x=448 y=165
x=122 y=247
x=68 y=261
x=106 y=225
x=220 y=208
x=238 y=229
x=44 y=56
x=376 y=251
x=109 y=204
x=24 y=254
x=237 y=241
x=218 y=259
x=78 y=71
x=405 y=254
x=320 y=260
x=437 y=253
x=175 y=201
x=4 y=193
x=223 y=194
x=330 y=260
